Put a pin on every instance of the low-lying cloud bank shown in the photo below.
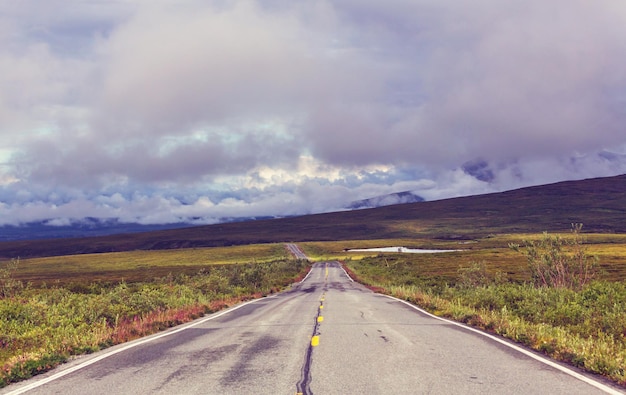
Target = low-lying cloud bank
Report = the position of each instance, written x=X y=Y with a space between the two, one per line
x=246 y=197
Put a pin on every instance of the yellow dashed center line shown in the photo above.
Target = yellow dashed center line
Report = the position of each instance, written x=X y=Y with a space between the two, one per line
x=315 y=340
x=302 y=385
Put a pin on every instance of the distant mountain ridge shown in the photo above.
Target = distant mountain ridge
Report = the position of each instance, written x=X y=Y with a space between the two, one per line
x=386 y=200
x=598 y=203
x=92 y=227
x=84 y=228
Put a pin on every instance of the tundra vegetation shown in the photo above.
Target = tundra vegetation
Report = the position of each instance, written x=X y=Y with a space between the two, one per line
x=564 y=302
x=42 y=325
x=54 y=307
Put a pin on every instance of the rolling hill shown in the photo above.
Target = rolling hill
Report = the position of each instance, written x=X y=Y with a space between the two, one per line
x=386 y=200
x=598 y=203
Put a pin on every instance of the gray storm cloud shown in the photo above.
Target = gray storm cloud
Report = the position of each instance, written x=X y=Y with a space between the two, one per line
x=167 y=106
x=497 y=81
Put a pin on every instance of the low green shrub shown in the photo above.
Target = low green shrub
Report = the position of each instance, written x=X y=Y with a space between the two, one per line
x=555 y=261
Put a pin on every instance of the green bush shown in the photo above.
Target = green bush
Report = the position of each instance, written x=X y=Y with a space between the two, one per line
x=474 y=275
x=559 y=262
x=8 y=285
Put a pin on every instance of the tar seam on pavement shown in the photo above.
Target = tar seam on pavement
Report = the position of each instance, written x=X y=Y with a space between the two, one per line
x=302 y=387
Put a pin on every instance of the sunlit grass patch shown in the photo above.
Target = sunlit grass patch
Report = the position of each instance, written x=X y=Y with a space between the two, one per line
x=141 y=265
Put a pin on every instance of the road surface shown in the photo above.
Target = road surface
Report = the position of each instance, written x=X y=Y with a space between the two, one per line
x=296 y=251
x=327 y=335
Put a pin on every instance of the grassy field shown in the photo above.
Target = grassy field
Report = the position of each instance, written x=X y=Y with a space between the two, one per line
x=139 y=265
x=66 y=305
x=493 y=250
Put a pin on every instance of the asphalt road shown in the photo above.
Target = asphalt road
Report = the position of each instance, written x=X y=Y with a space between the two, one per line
x=327 y=335
x=296 y=251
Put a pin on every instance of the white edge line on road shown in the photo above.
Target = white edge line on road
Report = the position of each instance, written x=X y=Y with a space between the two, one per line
x=539 y=358
x=307 y=275
x=129 y=346
x=344 y=270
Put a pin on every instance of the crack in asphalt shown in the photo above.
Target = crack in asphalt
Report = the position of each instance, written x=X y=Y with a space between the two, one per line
x=302 y=387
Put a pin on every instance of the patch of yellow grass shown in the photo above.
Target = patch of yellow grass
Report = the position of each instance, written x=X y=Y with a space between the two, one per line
x=115 y=261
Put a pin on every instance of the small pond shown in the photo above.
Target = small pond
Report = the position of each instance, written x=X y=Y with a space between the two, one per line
x=400 y=249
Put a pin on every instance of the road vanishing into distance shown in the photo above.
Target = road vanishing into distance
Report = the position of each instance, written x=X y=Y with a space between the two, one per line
x=326 y=335
x=296 y=251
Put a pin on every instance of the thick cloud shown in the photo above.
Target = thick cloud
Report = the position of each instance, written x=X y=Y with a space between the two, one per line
x=196 y=110
x=489 y=80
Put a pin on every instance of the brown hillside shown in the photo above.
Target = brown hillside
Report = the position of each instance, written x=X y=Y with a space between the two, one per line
x=599 y=203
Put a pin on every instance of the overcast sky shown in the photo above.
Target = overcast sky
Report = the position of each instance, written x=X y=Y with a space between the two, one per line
x=164 y=111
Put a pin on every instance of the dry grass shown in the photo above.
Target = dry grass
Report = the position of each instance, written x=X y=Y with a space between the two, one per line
x=140 y=265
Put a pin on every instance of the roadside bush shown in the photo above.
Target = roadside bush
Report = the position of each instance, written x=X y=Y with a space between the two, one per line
x=559 y=262
x=474 y=275
x=8 y=285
